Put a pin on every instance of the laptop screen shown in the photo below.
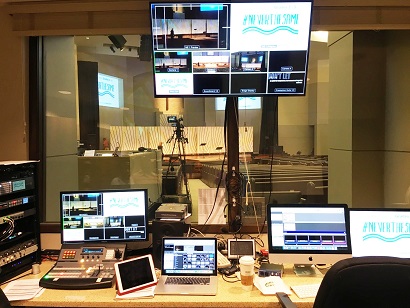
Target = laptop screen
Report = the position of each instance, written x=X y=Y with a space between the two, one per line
x=189 y=256
x=380 y=232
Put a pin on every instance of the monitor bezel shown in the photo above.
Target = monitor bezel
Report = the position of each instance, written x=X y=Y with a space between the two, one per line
x=312 y=257
x=228 y=48
x=105 y=241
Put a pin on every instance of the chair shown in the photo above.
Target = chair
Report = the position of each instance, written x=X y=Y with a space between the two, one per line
x=366 y=282
x=4 y=302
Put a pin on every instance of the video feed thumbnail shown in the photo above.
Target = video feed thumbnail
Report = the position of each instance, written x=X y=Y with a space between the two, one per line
x=249 y=61
x=212 y=84
x=245 y=83
x=210 y=62
x=94 y=234
x=189 y=26
x=173 y=62
x=287 y=61
x=285 y=83
x=73 y=222
x=114 y=221
x=93 y=222
x=81 y=204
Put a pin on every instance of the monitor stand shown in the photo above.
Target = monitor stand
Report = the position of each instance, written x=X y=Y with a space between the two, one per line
x=305 y=270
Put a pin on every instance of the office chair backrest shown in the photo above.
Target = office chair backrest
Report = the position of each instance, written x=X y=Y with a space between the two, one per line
x=4 y=302
x=366 y=282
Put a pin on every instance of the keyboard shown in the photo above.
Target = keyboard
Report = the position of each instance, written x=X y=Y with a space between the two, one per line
x=187 y=280
x=306 y=290
x=223 y=261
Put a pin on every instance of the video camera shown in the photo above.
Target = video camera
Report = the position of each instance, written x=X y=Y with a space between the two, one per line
x=175 y=122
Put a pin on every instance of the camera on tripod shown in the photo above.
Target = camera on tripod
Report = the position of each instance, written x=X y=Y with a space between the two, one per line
x=175 y=121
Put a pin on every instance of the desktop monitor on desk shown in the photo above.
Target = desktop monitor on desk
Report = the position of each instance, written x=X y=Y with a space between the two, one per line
x=104 y=216
x=380 y=232
x=308 y=234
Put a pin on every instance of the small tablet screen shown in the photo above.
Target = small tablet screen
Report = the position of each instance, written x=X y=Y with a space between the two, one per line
x=241 y=247
x=135 y=274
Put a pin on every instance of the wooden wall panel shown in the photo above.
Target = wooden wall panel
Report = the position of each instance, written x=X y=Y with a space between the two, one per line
x=130 y=138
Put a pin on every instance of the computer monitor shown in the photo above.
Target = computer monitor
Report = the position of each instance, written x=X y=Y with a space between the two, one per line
x=104 y=216
x=308 y=234
x=380 y=232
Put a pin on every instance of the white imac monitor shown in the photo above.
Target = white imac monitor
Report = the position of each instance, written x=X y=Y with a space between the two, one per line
x=380 y=232
x=308 y=234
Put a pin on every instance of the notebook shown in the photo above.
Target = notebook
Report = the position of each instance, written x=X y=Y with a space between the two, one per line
x=188 y=258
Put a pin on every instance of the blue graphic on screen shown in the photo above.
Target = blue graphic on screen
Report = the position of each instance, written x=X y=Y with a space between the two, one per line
x=282 y=22
x=376 y=230
x=210 y=7
x=380 y=232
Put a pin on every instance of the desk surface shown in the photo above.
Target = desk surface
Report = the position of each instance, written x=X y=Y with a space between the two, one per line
x=229 y=295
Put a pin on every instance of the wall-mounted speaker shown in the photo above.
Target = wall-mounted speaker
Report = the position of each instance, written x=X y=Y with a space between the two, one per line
x=162 y=228
x=145 y=48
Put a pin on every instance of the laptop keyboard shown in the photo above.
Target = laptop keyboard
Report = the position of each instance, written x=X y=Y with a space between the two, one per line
x=187 y=280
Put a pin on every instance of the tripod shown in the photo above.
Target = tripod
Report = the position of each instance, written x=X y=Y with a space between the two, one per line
x=180 y=140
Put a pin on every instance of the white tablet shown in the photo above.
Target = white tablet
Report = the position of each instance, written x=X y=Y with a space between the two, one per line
x=135 y=274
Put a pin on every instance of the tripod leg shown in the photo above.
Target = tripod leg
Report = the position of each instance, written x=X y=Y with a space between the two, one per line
x=182 y=157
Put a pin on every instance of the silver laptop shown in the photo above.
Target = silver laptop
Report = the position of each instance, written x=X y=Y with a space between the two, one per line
x=188 y=266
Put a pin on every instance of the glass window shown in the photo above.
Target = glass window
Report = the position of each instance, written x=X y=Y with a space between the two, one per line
x=106 y=130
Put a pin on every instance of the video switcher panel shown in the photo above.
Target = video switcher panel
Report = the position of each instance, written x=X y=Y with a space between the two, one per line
x=84 y=267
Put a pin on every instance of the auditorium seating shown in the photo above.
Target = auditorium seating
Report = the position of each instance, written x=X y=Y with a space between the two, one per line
x=307 y=176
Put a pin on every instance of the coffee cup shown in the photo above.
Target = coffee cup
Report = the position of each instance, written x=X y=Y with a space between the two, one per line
x=247 y=270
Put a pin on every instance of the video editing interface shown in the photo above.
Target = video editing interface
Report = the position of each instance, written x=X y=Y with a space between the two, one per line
x=189 y=258
x=300 y=229
x=222 y=49
x=104 y=216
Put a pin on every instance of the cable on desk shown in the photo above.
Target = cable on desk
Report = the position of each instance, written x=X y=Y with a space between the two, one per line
x=230 y=278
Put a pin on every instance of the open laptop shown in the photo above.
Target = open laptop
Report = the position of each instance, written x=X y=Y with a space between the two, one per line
x=380 y=232
x=188 y=258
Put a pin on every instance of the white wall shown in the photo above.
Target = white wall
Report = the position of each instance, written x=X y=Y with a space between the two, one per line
x=61 y=120
x=397 y=141
x=14 y=93
x=340 y=114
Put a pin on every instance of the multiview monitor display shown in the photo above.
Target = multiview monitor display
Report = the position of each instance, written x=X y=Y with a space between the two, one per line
x=380 y=232
x=104 y=216
x=230 y=48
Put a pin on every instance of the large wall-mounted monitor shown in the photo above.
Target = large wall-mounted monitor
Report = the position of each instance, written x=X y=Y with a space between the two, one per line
x=308 y=234
x=104 y=216
x=232 y=48
x=380 y=232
